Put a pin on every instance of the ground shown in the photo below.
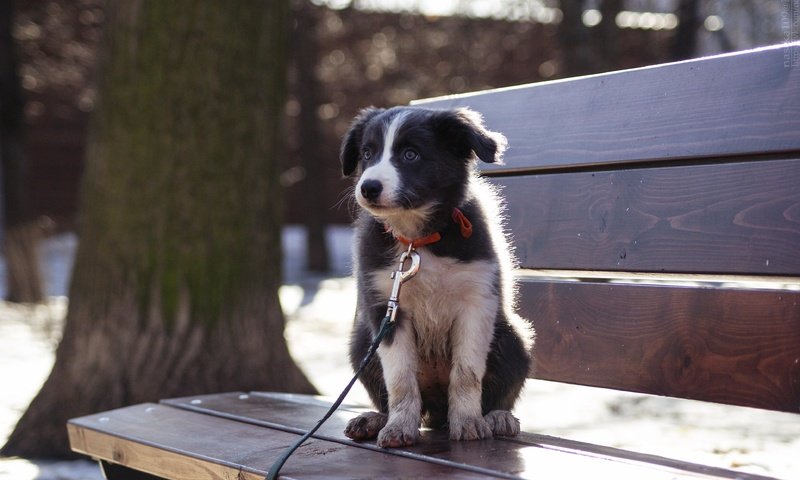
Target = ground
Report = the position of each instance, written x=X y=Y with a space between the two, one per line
x=319 y=311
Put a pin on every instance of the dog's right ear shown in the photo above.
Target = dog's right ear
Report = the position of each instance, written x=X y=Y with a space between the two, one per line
x=350 y=152
x=463 y=131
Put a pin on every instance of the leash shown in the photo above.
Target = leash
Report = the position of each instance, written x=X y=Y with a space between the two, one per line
x=400 y=276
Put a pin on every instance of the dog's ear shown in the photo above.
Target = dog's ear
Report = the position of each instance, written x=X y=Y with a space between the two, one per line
x=350 y=153
x=466 y=135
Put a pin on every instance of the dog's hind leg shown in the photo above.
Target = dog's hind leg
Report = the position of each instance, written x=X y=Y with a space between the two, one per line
x=366 y=426
x=502 y=423
x=506 y=369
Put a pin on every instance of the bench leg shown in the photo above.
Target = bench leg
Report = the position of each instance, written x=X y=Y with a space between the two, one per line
x=113 y=471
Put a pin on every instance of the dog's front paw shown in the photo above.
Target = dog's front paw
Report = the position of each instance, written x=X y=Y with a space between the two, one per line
x=502 y=422
x=398 y=434
x=469 y=428
x=366 y=426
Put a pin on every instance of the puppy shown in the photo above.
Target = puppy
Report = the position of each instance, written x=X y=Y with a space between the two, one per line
x=458 y=355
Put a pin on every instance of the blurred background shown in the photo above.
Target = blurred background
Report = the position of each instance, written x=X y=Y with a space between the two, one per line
x=346 y=55
x=350 y=54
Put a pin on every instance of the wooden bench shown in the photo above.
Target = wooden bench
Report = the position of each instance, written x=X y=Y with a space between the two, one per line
x=656 y=216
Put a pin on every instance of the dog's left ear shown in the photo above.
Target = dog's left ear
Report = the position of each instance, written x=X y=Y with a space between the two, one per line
x=349 y=153
x=464 y=132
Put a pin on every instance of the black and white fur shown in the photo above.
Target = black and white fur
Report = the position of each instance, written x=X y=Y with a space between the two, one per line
x=458 y=354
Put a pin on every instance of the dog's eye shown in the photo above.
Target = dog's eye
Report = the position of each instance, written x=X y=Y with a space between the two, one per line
x=410 y=155
x=366 y=154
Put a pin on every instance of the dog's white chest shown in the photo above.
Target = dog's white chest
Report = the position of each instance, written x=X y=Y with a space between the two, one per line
x=439 y=293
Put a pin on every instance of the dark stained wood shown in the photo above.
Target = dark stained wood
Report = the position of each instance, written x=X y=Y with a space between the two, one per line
x=741 y=218
x=179 y=444
x=297 y=414
x=734 y=346
x=735 y=104
x=503 y=454
x=241 y=429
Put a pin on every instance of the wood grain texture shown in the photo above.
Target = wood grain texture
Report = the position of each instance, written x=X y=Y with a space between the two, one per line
x=737 y=347
x=180 y=445
x=527 y=455
x=735 y=104
x=260 y=421
x=741 y=218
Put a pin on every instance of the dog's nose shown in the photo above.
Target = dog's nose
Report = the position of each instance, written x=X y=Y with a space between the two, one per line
x=371 y=189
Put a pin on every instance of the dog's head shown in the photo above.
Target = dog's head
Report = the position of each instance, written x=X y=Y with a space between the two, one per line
x=411 y=159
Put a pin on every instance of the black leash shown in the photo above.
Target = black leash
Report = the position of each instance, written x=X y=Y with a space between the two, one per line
x=399 y=276
x=386 y=325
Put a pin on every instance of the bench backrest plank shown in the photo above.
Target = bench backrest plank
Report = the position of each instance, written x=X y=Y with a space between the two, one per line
x=729 y=346
x=738 y=218
x=745 y=103
x=656 y=216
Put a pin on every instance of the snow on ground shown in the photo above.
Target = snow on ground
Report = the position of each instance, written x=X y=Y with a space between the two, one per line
x=319 y=312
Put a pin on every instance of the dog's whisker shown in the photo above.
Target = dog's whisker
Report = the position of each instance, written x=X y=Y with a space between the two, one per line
x=347 y=199
x=346 y=195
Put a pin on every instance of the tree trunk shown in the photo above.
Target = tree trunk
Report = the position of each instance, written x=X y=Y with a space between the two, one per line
x=608 y=35
x=317 y=169
x=684 y=43
x=174 y=290
x=574 y=39
x=19 y=233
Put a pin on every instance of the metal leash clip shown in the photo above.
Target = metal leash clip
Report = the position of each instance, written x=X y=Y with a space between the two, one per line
x=400 y=277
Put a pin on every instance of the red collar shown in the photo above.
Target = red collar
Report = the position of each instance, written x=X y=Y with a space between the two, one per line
x=458 y=217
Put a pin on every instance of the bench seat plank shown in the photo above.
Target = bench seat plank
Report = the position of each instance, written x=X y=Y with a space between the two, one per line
x=179 y=444
x=237 y=435
x=740 y=217
x=539 y=453
x=738 y=346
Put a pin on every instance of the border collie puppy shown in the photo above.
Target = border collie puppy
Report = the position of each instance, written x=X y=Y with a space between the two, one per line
x=458 y=354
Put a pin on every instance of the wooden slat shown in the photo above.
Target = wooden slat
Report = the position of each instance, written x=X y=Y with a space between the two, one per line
x=527 y=455
x=179 y=444
x=735 y=104
x=740 y=347
x=296 y=414
x=741 y=218
x=234 y=435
